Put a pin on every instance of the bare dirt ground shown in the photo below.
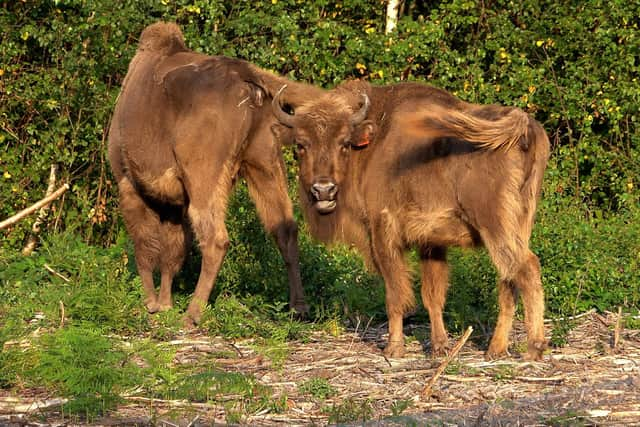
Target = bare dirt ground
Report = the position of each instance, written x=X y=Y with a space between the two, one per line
x=586 y=382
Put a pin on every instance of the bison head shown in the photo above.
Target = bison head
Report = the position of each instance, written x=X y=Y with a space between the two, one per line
x=325 y=132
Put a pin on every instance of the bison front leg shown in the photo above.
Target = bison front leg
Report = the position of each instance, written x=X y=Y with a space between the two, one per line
x=268 y=189
x=388 y=256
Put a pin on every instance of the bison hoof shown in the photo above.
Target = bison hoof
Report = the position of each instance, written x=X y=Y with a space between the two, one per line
x=188 y=322
x=498 y=349
x=191 y=318
x=495 y=355
x=535 y=350
x=394 y=350
x=152 y=306
x=438 y=350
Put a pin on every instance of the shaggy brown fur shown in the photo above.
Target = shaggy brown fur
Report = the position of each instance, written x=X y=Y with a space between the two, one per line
x=425 y=170
x=184 y=127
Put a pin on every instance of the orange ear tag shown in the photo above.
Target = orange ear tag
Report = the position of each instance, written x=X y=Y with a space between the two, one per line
x=364 y=141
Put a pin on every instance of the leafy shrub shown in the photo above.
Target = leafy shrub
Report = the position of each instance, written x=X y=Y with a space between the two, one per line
x=85 y=366
x=573 y=66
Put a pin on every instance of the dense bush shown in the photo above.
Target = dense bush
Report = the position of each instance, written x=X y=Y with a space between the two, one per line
x=573 y=65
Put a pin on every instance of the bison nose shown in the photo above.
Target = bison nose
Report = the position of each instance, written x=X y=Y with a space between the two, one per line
x=324 y=190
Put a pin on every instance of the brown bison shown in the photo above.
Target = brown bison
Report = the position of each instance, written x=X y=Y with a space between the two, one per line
x=409 y=165
x=185 y=126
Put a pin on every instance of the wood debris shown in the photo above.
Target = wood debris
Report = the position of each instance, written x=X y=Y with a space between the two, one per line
x=585 y=382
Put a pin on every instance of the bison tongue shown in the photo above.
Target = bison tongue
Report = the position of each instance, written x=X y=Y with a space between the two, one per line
x=325 y=206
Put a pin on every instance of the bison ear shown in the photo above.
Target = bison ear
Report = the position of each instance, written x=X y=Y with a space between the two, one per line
x=283 y=134
x=363 y=134
x=257 y=94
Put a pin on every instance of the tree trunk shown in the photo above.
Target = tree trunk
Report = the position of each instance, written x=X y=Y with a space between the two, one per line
x=392 y=15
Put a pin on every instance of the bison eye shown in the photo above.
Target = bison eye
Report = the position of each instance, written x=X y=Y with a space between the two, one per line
x=345 y=147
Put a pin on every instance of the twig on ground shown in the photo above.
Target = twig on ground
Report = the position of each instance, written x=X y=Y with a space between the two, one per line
x=52 y=271
x=196 y=418
x=426 y=391
x=61 y=314
x=616 y=330
x=28 y=211
x=576 y=317
x=12 y=405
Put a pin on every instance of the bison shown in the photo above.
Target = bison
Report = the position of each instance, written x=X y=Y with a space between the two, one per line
x=185 y=126
x=390 y=168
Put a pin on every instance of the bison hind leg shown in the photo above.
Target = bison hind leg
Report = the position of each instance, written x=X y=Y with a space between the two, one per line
x=519 y=273
x=176 y=238
x=435 y=281
x=143 y=225
x=499 y=344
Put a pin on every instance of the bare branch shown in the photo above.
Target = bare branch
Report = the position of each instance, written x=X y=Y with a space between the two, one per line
x=42 y=215
x=28 y=211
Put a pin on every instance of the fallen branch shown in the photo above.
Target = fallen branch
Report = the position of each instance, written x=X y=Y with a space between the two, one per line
x=557 y=379
x=12 y=405
x=28 y=211
x=52 y=271
x=42 y=215
x=576 y=317
x=426 y=391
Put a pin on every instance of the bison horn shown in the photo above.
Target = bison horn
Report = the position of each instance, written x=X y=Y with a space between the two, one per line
x=283 y=117
x=361 y=114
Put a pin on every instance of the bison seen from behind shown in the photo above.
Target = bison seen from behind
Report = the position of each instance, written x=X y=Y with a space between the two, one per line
x=408 y=165
x=184 y=127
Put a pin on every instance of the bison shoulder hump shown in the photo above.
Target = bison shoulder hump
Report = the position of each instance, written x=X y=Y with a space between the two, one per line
x=162 y=37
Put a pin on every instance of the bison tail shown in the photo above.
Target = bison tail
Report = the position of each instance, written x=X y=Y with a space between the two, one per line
x=162 y=37
x=503 y=132
x=296 y=93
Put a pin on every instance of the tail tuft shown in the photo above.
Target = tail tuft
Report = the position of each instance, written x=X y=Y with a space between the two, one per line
x=503 y=131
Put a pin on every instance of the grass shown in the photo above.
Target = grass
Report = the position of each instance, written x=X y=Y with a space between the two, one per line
x=86 y=358
x=350 y=410
x=65 y=310
x=318 y=388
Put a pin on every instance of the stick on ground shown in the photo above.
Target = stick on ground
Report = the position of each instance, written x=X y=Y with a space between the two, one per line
x=616 y=331
x=426 y=391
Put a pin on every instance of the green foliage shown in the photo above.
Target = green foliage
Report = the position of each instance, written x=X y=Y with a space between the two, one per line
x=588 y=261
x=318 y=388
x=97 y=287
x=350 y=410
x=85 y=366
x=399 y=406
x=574 y=67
